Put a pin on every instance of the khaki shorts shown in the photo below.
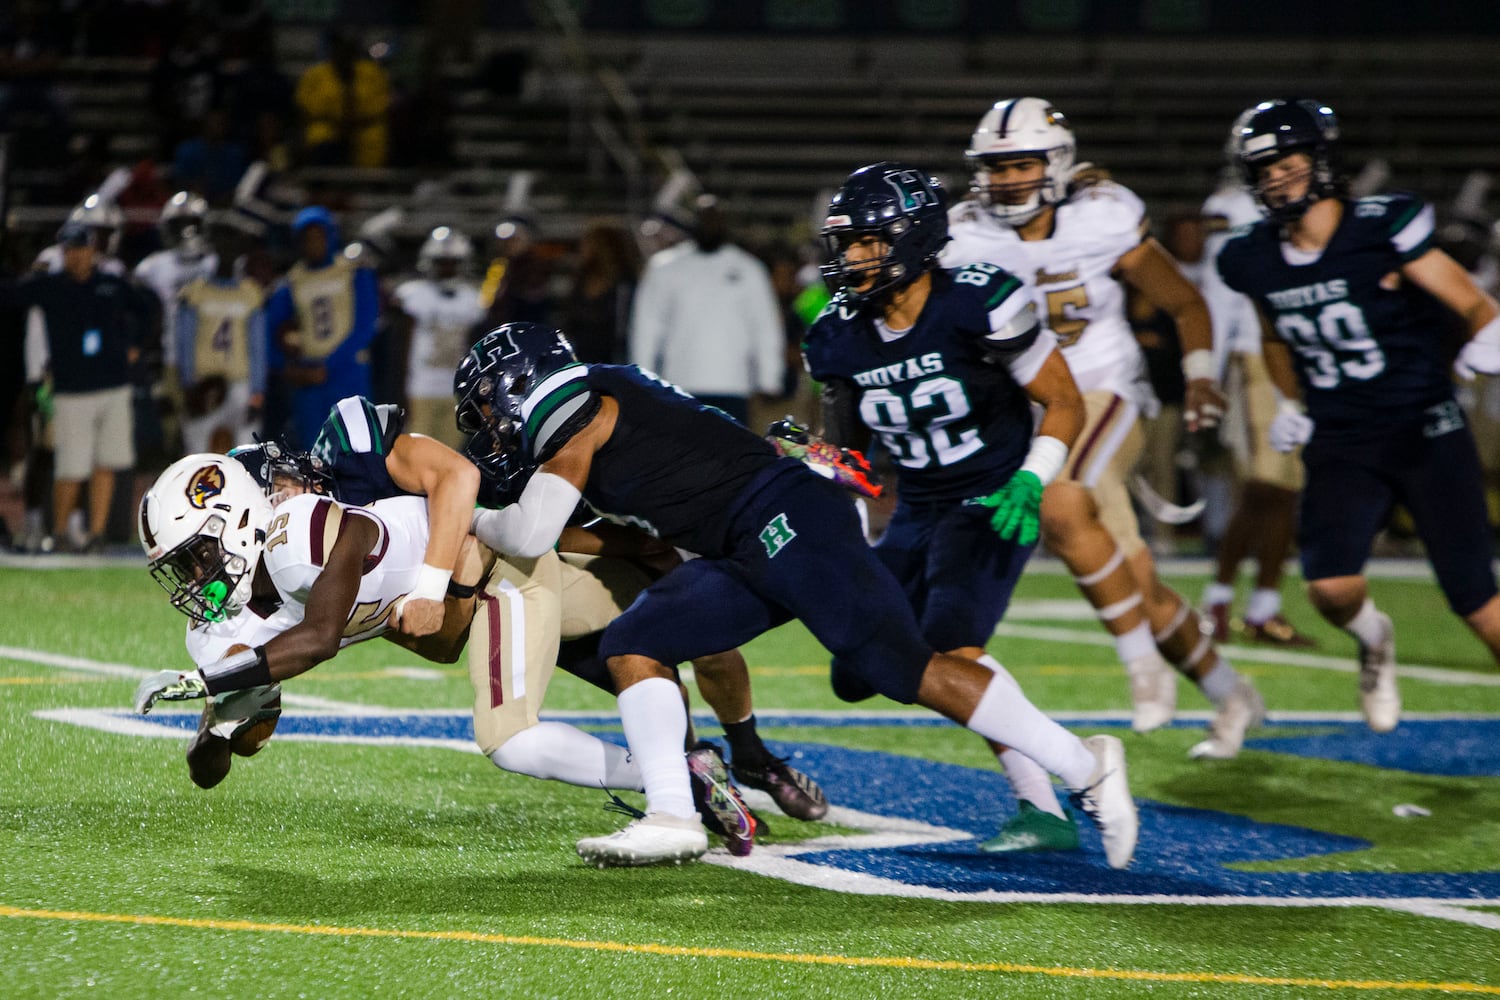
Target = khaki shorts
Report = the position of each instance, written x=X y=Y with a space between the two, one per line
x=1250 y=388
x=1103 y=456
x=93 y=430
x=524 y=610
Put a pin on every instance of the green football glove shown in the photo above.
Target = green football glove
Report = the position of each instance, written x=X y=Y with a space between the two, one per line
x=169 y=685
x=1017 y=508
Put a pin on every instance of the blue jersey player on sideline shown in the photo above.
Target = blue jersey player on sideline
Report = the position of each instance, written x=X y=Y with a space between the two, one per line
x=943 y=366
x=775 y=542
x=1352 y=296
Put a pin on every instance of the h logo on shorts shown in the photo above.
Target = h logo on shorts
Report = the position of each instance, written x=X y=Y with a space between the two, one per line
x=775 y=535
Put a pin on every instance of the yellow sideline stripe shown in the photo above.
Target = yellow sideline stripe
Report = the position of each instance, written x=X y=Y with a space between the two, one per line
x=678 y=951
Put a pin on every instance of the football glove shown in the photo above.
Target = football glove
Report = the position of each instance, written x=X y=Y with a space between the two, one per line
x=845 y=466
x=1017 y=508
x=1290 y=428
x=169 y=685
x=1477 y=358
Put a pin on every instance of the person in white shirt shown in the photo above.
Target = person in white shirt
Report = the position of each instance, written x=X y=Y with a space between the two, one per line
x=706 y=319
x=439 y=313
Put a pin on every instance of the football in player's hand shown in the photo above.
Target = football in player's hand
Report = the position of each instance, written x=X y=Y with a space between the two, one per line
x=255 y=732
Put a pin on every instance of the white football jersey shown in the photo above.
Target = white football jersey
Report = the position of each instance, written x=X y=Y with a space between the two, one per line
x=443 y=320
x=1236 y=325
x=302 y=533
x=210 y=643
x=167 y=274
x=1069 y=277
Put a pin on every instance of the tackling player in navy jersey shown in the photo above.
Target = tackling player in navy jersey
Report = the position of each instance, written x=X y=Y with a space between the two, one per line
x=775 y=542
x=943 y=366
x=1352 y=296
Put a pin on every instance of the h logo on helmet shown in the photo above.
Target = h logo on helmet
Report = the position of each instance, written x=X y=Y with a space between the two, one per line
x=207 y=483
x=912 y=189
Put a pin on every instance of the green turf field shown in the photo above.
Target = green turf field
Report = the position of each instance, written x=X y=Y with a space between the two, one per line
x=376 y=868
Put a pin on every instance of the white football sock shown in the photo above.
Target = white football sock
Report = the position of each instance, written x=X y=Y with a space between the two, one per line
x=1365 y=625
x=1136 y=643
x=557 y=751
x=655 y=725
x=1263 y=605
x=1220 y=681
x=1030 y=781
x=1006 y=716
x=1218 y=593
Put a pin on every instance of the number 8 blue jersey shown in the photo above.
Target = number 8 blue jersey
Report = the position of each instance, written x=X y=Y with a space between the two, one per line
x=957 y=424
x=1366 y=341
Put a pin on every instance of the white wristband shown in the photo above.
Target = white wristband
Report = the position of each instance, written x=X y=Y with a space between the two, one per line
x=1198 y=364
x=1285 y=405
x=1046 y=458
x=432 y=584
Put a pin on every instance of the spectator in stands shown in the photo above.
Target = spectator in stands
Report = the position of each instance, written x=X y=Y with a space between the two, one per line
x=516 y=284
x=596 y=314
x=705 y=318
x=212 y=162
x=797 y=397
x=343 y=102
x=31 y=45
x=321 y=321
x=92 y=325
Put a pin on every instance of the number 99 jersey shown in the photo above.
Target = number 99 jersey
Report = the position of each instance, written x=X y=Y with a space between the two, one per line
x=1070 y=274
x=1365 y=341
x=957 y=423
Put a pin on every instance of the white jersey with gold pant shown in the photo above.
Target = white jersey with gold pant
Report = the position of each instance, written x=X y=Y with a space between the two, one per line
x=1070 y=276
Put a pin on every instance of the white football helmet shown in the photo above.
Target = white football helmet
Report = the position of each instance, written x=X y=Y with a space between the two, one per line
x=444 y=244
x=203 y=525
x=183 y=223
x=1016 y=128
x=105 y=218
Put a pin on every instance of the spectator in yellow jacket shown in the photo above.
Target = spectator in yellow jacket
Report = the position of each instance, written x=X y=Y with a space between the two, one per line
x=343 y=101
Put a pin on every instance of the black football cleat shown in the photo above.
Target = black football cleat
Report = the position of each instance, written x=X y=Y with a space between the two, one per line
x=795 y=793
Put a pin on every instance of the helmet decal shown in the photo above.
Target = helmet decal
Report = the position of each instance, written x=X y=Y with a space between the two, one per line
x=899 y=205
x=206 y=483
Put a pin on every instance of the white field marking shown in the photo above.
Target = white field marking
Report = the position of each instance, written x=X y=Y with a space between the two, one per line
x=87 y=666
x=110 y=721
x=414 y=673
x=1258 y=654
x=1375 y=569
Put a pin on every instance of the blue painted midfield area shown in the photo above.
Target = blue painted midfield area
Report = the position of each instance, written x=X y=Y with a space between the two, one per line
x=1183 y=852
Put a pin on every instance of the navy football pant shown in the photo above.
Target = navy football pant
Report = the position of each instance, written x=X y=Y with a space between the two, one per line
x=1351 y=488
x=795 y=550
x=957 y=573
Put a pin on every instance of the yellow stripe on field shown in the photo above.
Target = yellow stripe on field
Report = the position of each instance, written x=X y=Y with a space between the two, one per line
x=679 y=951
x=50 y=680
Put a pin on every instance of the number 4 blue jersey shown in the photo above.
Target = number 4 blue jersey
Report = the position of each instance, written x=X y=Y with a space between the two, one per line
x=1366 y=342
x=953 y=418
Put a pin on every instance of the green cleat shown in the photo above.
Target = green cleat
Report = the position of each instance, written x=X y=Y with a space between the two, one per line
x=1031 y=829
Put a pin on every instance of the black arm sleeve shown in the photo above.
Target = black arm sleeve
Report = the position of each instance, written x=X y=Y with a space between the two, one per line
x=841 y=424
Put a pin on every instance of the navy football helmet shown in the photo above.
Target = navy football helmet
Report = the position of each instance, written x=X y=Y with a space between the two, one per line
x=904 y=208
x=270 y=462
x=1276 y=129
x=521 y=393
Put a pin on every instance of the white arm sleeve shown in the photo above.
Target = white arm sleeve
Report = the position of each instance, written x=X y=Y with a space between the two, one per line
x=533 y=524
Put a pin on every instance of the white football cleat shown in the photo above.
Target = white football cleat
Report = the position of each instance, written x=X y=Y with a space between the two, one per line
x=651 y=840
x=1379 y=699
x=1153 y=692
x=1106 y=800
x=1243 y=710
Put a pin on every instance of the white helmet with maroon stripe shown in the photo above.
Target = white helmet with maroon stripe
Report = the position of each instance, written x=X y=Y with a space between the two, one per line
x=203 y=525
x=1014 y=129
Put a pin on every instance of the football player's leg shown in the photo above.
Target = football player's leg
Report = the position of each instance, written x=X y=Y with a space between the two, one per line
x=1445 y=495
x=513 y=646
x=1345 y=504
x=1073 y=527
x=208 y=755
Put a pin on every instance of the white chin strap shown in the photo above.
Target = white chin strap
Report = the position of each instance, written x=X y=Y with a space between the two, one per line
x=1019 y=215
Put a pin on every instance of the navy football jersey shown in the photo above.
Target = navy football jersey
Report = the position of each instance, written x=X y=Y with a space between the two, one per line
x=353 y=444
x=1366 y=342
x=956 y=422
x=673 y=466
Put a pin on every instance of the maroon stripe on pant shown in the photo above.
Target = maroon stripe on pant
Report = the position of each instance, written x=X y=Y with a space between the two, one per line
x=497 y=665
x=1082 y=455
